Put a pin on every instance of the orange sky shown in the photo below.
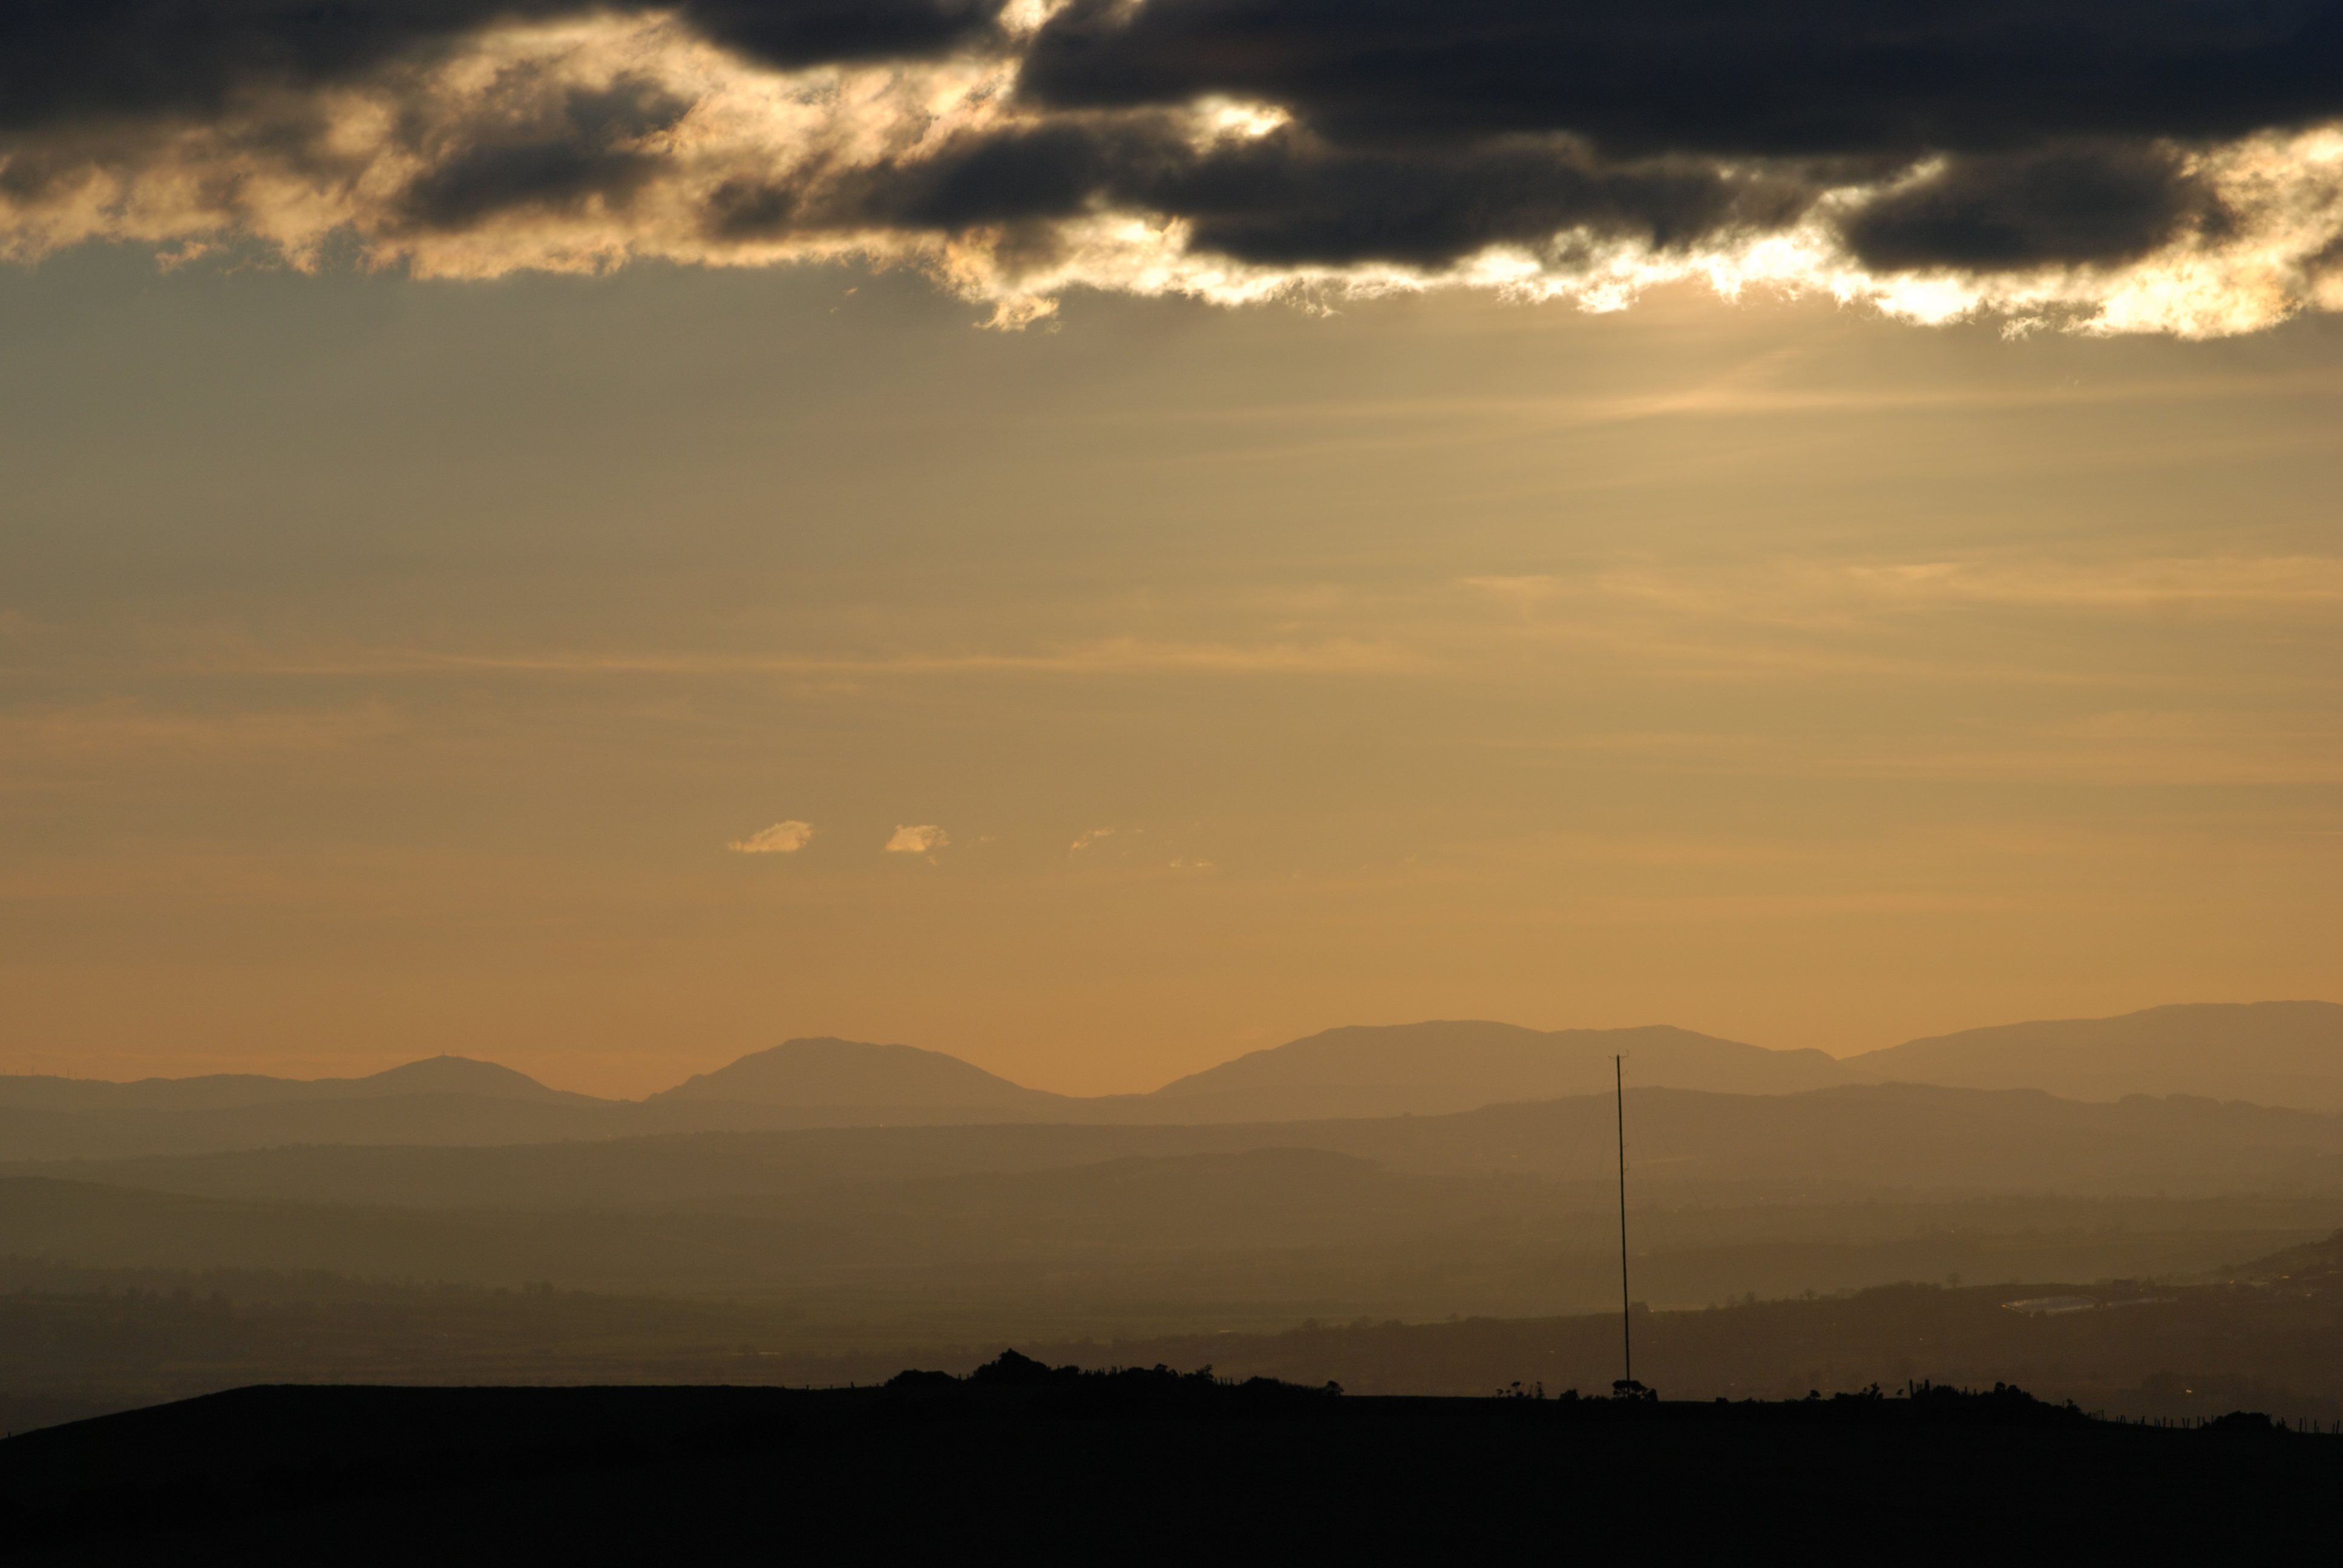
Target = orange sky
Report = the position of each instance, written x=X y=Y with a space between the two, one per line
x=386 y=667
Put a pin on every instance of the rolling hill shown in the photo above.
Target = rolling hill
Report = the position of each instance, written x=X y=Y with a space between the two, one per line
x=433 y=1076
x=1432 y=1069
x=2283 y=1054
x=2267 y=1053
x=847 y=1076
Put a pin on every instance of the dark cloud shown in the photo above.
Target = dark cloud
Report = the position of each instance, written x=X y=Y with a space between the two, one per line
x=1784 y=77
x=581 y=145
x=739 y=210
x=1279 y=199
x=2326 y=262
x=795 y=32
x=1051 y=171
x=1047 y=171
x=1420 y=131
x=68 y=59
x=1734 y=77
x=2089 y=204
x=1289 y=198
x=2060 y=112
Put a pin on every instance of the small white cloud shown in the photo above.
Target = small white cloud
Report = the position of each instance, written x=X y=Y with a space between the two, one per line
x=916 y=840
x=1092 y=837
x=781 y=838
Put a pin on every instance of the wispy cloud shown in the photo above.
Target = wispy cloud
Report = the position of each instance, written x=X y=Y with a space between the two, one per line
x=119 y=732
x=1089 y=838
x=923 y=839
x=781 y=838
x=2238 y=584
x=1114 y=656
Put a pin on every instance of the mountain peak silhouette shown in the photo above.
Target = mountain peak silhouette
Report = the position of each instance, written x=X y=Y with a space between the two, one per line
x=1449 y=1065
x=827 y=1072
x=2265 y=1052
x=445 y=1074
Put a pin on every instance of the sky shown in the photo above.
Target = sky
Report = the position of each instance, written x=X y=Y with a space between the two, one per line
x=1098 y=538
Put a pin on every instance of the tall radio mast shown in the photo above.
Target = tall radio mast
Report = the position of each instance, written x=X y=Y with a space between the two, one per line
x=1626 y=1316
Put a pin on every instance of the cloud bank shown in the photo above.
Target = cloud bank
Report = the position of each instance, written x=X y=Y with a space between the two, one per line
x=781 y=838
x=2113 y=166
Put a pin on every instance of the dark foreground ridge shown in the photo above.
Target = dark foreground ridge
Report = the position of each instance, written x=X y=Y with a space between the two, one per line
x=1132 y=1461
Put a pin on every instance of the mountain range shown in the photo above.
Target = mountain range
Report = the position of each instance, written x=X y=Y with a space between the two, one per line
x=2279 y=1053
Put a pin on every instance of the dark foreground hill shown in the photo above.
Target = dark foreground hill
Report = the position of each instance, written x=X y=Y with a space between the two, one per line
x=1018 y=1459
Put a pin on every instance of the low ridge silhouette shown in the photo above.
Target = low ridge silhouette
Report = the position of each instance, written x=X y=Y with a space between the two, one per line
x=1058 y=1459
x=2288 y=1054
x=436 y=1075
x=828 y=1072
x=1428 y=1068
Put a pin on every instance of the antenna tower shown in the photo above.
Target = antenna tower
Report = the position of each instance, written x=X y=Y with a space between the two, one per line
x=1626 y=1316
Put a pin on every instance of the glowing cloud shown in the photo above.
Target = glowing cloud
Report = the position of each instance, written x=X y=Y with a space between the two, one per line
x=2068 y=165
x=920 y=841
x=781 y=838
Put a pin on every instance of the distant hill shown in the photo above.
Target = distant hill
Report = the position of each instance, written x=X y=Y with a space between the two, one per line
x=451 y=1101
x=807 y=1074
x=2267 y=1053
x=1432 y=1069
x=438 y=1075
x=2286 y=1054
x=448 y=1075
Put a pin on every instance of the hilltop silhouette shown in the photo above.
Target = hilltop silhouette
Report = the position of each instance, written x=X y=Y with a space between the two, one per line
x=2286 y=1053
x=880 y=1081
x=1142 y=1462
x=1429 y=1068
x=436 y=1075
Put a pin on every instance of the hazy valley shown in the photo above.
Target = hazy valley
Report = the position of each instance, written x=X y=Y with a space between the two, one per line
x=827 y=1198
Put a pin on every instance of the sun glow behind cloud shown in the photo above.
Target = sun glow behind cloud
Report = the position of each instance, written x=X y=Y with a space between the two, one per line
x=599 y=140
